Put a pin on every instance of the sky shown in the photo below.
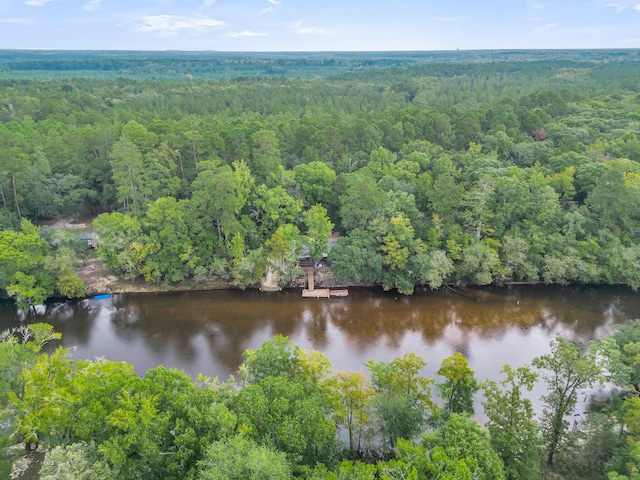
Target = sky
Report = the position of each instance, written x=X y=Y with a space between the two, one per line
x=313 y=25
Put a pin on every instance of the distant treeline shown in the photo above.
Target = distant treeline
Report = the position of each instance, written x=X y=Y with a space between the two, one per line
x=166 y=65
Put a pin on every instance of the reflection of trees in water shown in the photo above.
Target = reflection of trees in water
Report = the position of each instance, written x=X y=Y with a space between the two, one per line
x=124 y=315
x=225 y=350
x=482 y=312
x=317 y=322
x=166 y=326
x=74 y=319
x=208 y=331
x=224 y=322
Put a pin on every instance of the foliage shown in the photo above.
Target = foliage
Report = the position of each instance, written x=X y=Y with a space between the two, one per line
x=512 y=424
x=19 y=348
x=275 y=357
x=239 y=458
x=25 y=273
x=352 y=397
x=99 y=419
x=462 y=438
x=25 y=290
x=76 y=461
x=415 y=462
x=319 y=228
x=566 y=370
x=590 y=448
x=459 y=386
x=290 y=417
x=627 y=340
x=402 y=398
x=71 y=286
x=467 y=167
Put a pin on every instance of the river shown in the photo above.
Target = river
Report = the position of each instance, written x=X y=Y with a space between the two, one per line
x=206 y=332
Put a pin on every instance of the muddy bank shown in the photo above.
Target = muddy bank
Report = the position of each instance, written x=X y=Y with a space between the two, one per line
x=100 y=280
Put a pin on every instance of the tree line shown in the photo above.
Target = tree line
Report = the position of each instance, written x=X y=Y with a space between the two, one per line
x=289 y=415
x=472 y=173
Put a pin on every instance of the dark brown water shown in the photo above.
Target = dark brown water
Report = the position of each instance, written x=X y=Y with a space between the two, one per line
x=206 y=332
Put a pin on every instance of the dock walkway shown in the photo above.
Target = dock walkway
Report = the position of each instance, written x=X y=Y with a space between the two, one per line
x=312 y=292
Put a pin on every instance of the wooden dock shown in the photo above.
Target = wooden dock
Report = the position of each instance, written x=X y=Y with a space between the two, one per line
x=316 y=293
x=313 y=292
x=324 y=293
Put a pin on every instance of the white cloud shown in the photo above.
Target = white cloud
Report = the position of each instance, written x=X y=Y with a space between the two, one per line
x=545 y=28
x=36 y=3
x=245 y=33
x=208 y=3
x=622 y=5
x=301 y=30
x=172 y=24
x=535 y=10
x=17 y=21
x=270 y=8
x=91 y=5
x=619 y=8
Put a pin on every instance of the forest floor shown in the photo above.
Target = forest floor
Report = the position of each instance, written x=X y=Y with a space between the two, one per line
x=97 y=278
x=27 y=464
x=68 y=222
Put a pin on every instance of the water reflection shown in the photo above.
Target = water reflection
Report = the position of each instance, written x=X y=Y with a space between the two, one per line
x=206 y=332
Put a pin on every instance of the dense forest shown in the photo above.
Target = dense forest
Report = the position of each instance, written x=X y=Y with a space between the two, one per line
x=456 y=168
x=467 y=167
x=289 y=415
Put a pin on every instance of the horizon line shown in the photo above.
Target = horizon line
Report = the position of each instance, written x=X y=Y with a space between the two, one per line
x=319 y=51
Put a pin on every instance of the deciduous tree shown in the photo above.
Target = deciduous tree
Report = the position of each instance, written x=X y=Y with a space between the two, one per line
x=512 y=424
x=459 y=386
x=566 y=370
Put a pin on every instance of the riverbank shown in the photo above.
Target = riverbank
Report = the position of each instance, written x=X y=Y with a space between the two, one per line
x=99 y=280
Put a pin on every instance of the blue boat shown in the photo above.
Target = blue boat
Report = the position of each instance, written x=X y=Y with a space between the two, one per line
x=102 y=296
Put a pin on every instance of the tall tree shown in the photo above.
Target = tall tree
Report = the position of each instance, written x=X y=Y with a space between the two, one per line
x=512 y=424
x=275 y=357
x=459 y=386
x=291 y=417
x=265 y=159
x=22 y=272
x=566 y=370
x=116 y=232
x=129 y=175
x=15 y=162
x=352 y=404
x=170 y=254
x=240 y=458
x=216 y=196
x=319 y=229
x=316 y=180
x=462 y=438
x=402 y=398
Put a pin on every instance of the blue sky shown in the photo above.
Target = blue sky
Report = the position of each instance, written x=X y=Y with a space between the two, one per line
x=308 y=25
